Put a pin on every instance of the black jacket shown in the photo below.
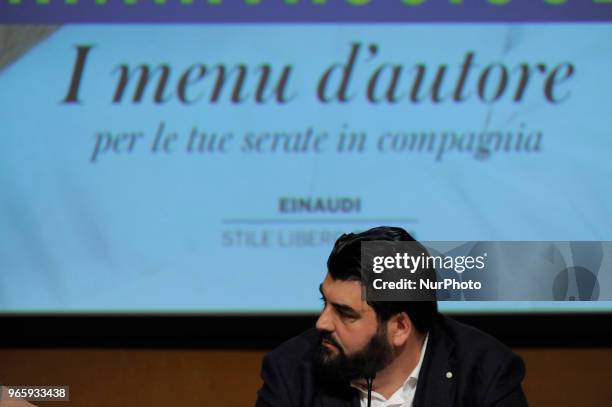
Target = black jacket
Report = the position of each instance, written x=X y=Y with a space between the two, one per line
x=484 y=372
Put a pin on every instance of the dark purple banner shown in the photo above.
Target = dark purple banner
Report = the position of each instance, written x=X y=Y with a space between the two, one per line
x=301 y=11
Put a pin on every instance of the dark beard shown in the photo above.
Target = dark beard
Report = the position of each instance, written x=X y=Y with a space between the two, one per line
x=337 y=367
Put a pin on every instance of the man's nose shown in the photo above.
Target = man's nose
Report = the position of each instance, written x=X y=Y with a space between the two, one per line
x=325 y=323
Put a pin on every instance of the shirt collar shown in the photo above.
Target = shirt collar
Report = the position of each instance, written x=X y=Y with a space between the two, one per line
x=417 y=369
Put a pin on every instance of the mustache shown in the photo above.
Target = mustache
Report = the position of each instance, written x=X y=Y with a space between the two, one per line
x=327 y=337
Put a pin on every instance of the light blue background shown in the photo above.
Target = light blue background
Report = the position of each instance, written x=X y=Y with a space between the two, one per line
x=142 y=232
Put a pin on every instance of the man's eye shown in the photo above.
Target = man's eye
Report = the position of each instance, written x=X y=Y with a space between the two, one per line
x=344 y=315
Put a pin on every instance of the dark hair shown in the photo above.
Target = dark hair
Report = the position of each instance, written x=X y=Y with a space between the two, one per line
x=344 y=263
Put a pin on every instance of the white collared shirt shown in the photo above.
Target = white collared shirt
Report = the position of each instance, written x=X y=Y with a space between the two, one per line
x=404 y=396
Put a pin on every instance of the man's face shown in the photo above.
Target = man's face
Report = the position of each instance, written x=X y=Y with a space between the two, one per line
x=352 y=341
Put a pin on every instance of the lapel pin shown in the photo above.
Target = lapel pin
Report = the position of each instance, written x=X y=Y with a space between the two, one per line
x=449 y=375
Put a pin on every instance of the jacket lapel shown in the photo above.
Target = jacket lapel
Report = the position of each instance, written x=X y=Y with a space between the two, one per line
x=434 y=387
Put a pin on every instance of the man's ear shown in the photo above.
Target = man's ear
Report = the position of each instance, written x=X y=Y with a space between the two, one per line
x=400 y=328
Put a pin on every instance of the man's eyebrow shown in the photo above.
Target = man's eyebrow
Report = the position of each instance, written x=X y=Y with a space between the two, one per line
x=343 y=308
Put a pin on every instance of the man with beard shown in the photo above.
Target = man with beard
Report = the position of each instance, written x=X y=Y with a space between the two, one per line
x=386 y=353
